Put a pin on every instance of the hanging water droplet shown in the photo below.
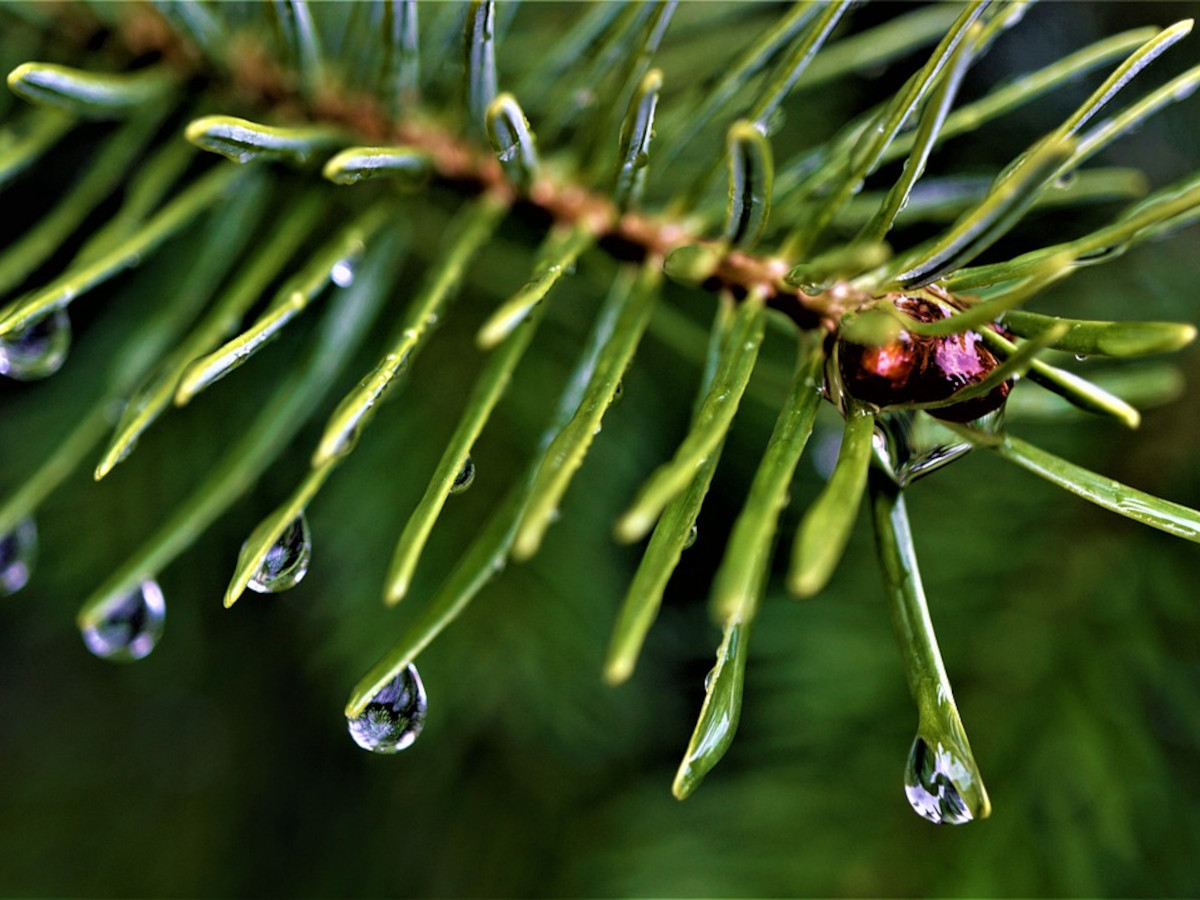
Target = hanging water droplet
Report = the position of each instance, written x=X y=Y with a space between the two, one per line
x=18 y=549
x=38 y=350
x=394 y=717
x=931 y=782
x=708 y=679
x=286 y=563
x=910 y=445
x=691 y=537
x=1080 y=357
x=465 y=477
x=131 y=627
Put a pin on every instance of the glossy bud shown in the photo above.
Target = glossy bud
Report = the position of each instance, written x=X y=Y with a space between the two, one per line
x=913 y=368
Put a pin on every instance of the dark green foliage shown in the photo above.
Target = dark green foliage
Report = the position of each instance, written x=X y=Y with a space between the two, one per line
x=400 y=283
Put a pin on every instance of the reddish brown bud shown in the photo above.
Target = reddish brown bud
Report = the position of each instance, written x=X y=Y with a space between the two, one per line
x=917 y=369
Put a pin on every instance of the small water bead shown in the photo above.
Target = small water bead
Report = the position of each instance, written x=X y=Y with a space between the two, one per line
x=931 y=781
x=18 y=549
x=286 y=563
x=691 y=537
x=910 y=445
x=342 y=273
x=465 y=477
x=394 y=717
x=37 y=351
x=132 y=626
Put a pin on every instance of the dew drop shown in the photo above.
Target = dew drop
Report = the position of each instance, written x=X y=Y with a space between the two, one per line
x=342 y=273
x=691 y=537
x=1066 y=181
x=465 y=477
x=18 y=549
x=618 y=394
x=38 y=350
x=708 y=679
x=286 y=563
x=1080 y=357
x=132 y=626
x=930 y=782
x=394 y=717
x=910 y=445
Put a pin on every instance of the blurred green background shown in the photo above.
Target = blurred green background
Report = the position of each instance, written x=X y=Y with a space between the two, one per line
x=221 y=765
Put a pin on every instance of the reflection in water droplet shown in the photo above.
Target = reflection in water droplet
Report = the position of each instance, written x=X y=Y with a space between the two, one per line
x=910 y=445
x=131 y=627
x=286 y=563
x=930 y=780
x=465 y=477
x=394 y=717
x=18 y=549
x=691 y=537
x=37 y=351
x=708 y=679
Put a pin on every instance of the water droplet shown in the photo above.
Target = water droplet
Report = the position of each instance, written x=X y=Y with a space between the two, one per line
x=1080 y=357
x=910 y=446
x=18 y=549
x=1065 y=181
x=931 y=782
x=286 y=563
x=465 y=477
x=342 y=273
x=708 y=679
x=641 y=160
x=618 y=394
x=132 y=626
x=394 y=716
x=38 y=350
x=691 y=537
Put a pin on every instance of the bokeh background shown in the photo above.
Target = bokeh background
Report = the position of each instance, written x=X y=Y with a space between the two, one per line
x=221 y=765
